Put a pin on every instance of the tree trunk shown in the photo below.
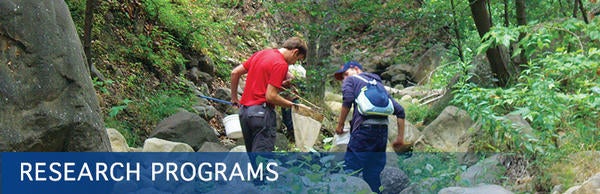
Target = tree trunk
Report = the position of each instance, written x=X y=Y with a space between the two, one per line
x=583 y=12
x=320 y=40
x=87 y=38
x=494 y=54
x=562 y=8
x=457 y=33
x=506 y=21
x=575 y=7
x=521 y=21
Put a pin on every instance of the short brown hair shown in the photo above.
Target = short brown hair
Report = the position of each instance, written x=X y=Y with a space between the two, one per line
x=296 y=43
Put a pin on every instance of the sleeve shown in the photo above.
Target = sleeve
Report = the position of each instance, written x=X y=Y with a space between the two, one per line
x=398 y=109
x=247 y=63
x=348 y=95
x=278 y=73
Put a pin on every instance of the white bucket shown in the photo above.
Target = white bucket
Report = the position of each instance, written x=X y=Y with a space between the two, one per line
x=344 y=138
x=233 y=129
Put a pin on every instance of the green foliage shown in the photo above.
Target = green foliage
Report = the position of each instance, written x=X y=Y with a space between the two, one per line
x=415 y=113
x=163 y=104
x=556 y=92
x=77 y=9
x=102 y=85
x=440 y=170
x=163 y=58
x=116 y=109
x=197 y=25
x=126 y=128
x=317 y=168
x=327 y=142
x=312 y=86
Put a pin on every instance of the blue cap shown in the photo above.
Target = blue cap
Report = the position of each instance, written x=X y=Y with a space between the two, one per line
x=339 y=74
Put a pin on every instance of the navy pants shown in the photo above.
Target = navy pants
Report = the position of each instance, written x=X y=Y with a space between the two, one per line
x=366 y=153
x=258 y=127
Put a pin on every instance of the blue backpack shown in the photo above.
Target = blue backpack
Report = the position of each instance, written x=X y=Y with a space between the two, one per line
x=373 y=99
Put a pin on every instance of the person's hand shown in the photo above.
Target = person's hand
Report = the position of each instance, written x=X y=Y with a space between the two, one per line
x=339 y=130
x=398 y=143
x=288 y=80
x=301 y=106
x=235 y=102
x=286 y=83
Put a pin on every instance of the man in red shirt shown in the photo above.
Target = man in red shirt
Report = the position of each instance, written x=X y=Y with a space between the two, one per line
x=266 y=71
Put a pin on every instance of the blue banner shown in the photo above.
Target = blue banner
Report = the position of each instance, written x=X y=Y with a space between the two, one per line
x=289 y=172
x=84 y=172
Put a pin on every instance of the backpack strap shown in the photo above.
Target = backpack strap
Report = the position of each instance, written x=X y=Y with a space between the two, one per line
x=373 y=82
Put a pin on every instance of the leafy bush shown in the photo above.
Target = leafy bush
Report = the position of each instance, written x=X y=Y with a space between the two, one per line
x=415 y=113
x=197 y=25
x=163 y=104
x=557 y=92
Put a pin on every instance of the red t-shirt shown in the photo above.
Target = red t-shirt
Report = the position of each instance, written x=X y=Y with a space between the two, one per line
x=264 y=67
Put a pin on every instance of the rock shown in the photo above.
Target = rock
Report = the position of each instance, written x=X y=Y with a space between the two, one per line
x=185 y=127
x=487 y=189
x=447 y=130
x=575 y=168
x=429 y=185
x=341 y=183
x=117 y=141
x=334 y=106
x=240 y=148
x=411 y=133
x=224 y=94
x=427 y=63
x=393 y=180
x=47 y=99
x=281 y=142
x=160 y=145
x=406 y=98
x=487 y=171
x=590 y=186
x=206 y=112
x=212 y=147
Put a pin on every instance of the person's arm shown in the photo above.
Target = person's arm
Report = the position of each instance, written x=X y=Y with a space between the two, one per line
x=236 y=73
x=288 y=80
x=273 y=97
x=341 y=120
x=347 y=101
x=400 y=138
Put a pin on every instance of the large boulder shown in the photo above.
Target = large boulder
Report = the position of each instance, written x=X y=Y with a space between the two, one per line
x=488 y=171
x=161 y=145
x=590 y=186
x=117 y=141
x=411 y=133
x=47 y=100
x=447 y=130
x=394 y=180
x=185 y=127
x=341 y=183
x=427 y=63
x=213 y=147
x=575 y=168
